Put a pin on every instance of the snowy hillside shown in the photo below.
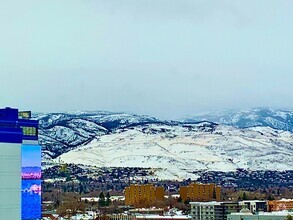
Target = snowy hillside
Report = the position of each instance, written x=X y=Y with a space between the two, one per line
x=179 y=149
x=278 y=119
x=61 y=132
x=175 y=149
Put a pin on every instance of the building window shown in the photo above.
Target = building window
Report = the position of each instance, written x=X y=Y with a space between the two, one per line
x=30 y=131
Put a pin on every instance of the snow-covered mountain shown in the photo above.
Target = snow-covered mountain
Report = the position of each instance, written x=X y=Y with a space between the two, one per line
x=175 y=149
x=61 y=132
x=178 y=150
x=278 y=119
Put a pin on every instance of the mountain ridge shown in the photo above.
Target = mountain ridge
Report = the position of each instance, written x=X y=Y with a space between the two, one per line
x=274 y=118
x=68 y=137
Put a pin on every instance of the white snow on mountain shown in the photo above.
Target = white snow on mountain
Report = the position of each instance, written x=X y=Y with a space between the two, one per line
x=178 y=150
x=274 y=118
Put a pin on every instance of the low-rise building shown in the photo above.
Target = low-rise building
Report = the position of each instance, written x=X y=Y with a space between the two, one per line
x=142 y=217
x=159 y=217
x=279 y=205
x=245 y=214
x=143 y=211
x=225 y=208
x=213 y=210
x=255 y=205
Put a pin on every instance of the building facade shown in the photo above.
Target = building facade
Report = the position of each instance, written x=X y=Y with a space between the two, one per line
x=255 y=206
x=280 y=205
x=225 y=208
x=213 y=210
x=141 y=217
x=20 y=166
x=143 y=194
x=260 y=216
x=203 y=210
x=200 y=192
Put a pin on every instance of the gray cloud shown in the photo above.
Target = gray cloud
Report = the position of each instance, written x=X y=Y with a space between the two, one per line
x=163 y=58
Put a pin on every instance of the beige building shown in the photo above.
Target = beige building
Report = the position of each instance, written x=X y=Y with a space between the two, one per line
x=200 y=192
x=143 y=194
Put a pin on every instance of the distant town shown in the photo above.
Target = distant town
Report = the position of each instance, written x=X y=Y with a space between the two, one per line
x=150 y=201
x=127 y=193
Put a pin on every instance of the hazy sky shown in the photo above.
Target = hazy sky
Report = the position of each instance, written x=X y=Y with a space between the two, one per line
x=164 y=58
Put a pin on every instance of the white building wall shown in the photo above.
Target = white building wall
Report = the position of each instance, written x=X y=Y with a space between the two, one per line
x=10 y=181
x=203 y=210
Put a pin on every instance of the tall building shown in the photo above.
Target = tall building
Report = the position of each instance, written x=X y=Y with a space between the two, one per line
x=143 y=194
x=200 y=192
x=20 y=166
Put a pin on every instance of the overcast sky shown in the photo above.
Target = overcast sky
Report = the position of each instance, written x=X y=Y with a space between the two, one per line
x=163 y=58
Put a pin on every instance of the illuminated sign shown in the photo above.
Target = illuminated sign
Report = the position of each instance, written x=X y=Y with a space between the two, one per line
x=30 y=131
x=25 y=114
x=31 y=181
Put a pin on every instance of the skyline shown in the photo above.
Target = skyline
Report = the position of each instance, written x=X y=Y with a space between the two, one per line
x=195 y=114
x=167 y=59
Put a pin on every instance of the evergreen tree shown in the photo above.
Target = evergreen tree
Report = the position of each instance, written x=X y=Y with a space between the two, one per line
x=186 y=202
x=102 y=201
x=244 y=196
x=56 y=204
x=270 y=197
x=108 y=201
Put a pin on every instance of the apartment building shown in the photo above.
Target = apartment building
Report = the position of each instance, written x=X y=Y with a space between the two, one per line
x=143 y=194
x=200 y=192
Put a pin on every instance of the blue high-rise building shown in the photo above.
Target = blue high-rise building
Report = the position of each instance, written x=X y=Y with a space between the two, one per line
x=20 y=166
